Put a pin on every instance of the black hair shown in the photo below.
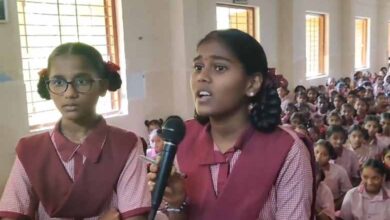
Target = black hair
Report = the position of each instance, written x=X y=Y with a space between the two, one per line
x=157 y=122
x=94 y=58
x=335 y=129
x=341 y=97
x=333 y=113
x=265 y=112
x=299 y=88
x=328 y=146
x=377 y=165
x=358 y=128
x=371 y=118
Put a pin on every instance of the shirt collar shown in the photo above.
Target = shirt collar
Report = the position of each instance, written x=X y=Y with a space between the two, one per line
x=90 y=148
x=208 y=155
x=381 y=196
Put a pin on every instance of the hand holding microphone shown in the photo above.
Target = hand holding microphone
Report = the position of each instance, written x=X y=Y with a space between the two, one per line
x=163 y=180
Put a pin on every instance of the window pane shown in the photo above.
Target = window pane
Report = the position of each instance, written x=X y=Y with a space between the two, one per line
x=315 y=45
x=241 y=18
x=361 y=25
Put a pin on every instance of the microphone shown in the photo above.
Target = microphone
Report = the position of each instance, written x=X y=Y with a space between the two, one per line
x=173 y=131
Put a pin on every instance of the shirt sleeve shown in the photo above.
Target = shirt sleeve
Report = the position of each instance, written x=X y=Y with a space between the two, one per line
x=294 y=184
x=345 y=183
x=134 y=197
x=346 y=207
x=18 y=199
x=326 y=201
x=355 y=166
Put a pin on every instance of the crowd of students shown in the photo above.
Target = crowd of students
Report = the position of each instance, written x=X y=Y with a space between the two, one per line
x=348 y=120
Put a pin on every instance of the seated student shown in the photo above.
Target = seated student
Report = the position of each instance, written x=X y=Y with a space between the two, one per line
x=351 y=97
x=386 y=161
x=383 y=137
x=346 y=158
x=360 y=92
x=381 y=104
x=290 y=109
x=368 y=200
x=347 y=114
x=324 y=199
x=285 y=99
x=314 y=133
x=298 y=89
x=318 y=122
x=297 y=118
x=361 y=108
x=370 y=98
x=156 y=144
x=302 y=104
x=342 y=88
x=338 y=101
x=312 y=95
x=83 y=168
x=153 y=124
x=356 y=143
x=334 y=119
x=336 y=178
x=386 y=84
x=372 y=125
x=322 y=105
x=330 y=85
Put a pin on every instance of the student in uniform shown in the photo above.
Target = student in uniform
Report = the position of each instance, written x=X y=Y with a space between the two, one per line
x=369 y=200
x=58 y=174
x=336 y=178
x=238 y=163
x=324 y=198
x=346 y=158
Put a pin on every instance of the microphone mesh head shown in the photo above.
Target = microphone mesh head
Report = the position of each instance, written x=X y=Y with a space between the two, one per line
x=173 y=129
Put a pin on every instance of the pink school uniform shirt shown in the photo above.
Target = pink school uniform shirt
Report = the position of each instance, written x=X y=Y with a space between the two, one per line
x=131 y=196
x=336 y=178
x=359 y=205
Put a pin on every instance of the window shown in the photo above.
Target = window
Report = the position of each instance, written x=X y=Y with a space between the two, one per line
x=361 y=43
x=43 y=25
x=315 y=45
x=238 y=17
x=388 y=41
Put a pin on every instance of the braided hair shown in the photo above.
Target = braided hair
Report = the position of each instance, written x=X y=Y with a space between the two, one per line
x=265 y=108
x=106 y=70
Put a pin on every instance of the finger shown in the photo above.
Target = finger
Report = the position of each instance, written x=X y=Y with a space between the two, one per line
x=153 y=168
x=151 y=176
x=173 y=170
x=158 y=159
x=151 y=185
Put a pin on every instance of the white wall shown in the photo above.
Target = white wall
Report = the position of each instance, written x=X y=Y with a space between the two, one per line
x=158 y=39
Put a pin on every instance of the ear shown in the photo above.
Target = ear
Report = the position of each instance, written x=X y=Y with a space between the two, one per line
x=103 y=88
x=254 y=84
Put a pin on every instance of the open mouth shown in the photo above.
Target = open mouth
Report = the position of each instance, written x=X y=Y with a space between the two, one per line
x=202 y=94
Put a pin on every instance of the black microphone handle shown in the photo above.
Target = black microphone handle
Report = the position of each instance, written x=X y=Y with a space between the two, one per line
x=165 y=168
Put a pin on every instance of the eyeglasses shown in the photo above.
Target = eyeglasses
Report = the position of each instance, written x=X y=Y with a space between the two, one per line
x=59 y=86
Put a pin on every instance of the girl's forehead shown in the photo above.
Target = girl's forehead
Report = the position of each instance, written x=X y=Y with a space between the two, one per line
x=71 y=66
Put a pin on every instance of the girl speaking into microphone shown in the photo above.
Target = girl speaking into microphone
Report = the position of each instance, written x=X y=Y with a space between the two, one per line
x=238 y=163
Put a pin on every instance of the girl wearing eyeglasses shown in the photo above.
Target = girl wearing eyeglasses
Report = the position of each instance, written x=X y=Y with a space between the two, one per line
x=83 y=168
